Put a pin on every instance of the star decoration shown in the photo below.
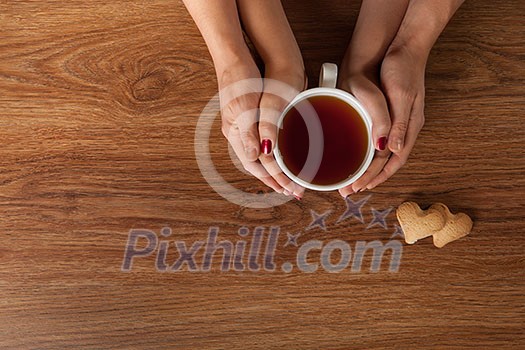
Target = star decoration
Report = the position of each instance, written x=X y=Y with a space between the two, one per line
x=379 y=218
x=353 y=209
x=318 y=219
x=398 y=232
x=292 y=239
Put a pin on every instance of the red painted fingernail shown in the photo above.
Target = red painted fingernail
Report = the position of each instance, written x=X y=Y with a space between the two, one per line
x=266 y=146
x=381 y=143
x=297 y=197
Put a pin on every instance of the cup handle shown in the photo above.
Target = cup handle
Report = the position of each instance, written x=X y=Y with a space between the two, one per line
x=328 y=76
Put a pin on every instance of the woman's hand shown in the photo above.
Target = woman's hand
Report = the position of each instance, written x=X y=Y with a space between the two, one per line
x=266 y=24
x=240 y=87
x=403 y=82
x=281 y=85
x=249 y=116
x=396 y=105
x=376 y=27
x=384 y=67
x=249 y=108
x=367 y=90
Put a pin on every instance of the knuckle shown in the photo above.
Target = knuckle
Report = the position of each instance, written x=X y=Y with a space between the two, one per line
x=237 y=106
x=381 y=124
x=266 y=127
x=402 y=93
x=400 y=126
x=273 y=101
x=247 y=137
x=230 y=110
x=225 y=129
x=250 y=100
x=383 y=155
x=250 y=167
x=398 y=90
x=388 y=171
x=233 y=129
x=403 y=160
x=421 y=122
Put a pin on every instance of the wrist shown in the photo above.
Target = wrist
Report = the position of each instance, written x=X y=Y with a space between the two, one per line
x=292 y=73
x=282 y=59
x=284 y=64
x=423 y=24
x=418 y=38
x=231 y=55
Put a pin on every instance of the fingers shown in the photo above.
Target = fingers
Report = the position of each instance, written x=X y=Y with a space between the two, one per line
x=241 y=109
x=399 y=159
x=271 y=167
x=270 y=110
x=277 y=94
x=274 y=100
x=239 y=126
x=253 y=167
x=271 y=107
x=380 y=159
x=373 y=100
x=400 y=101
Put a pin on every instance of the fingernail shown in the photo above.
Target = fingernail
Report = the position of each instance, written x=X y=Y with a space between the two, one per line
x=286 y=192
x=349 y=193
x=381 y=143
x=266 y=146
x=399 y=145
x=363 y=189
x=297 y=197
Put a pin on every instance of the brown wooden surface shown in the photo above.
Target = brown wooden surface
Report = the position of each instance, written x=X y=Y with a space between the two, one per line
x=98 y=103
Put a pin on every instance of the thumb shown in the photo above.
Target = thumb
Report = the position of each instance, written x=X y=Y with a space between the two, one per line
x=372 y=98
x=271 y=107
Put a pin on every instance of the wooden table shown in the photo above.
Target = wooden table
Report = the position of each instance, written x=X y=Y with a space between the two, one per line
x=99 y=102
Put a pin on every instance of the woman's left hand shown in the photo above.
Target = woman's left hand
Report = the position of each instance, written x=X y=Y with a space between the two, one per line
x=402 y=89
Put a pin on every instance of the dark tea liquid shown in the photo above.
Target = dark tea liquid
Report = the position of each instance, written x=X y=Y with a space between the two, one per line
x=345 y=140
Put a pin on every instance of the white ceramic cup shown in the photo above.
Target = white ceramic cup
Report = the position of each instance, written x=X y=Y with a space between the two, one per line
x=327 y=87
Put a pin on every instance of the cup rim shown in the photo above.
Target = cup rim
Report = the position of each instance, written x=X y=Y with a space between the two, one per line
x=354 y=103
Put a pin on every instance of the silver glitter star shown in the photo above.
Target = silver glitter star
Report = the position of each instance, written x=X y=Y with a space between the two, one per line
x=353 y=209
x=398 y=232
x=292 y=239
x=379 y=218
x=318 y=219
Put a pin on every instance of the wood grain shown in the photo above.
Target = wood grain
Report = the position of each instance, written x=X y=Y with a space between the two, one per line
x=98 y=107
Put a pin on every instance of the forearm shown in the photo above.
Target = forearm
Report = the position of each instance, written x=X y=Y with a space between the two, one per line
x=266 y=23
x=376 y=27
x=218 y=22
x=423 y=23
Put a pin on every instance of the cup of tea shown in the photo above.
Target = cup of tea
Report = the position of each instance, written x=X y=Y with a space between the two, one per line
x=324 y=139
